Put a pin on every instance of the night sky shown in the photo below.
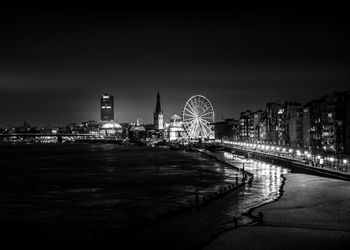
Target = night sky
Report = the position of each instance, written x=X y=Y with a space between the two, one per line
x=56 y=63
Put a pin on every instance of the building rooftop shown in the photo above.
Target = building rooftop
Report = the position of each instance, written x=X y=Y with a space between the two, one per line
x=111 y=125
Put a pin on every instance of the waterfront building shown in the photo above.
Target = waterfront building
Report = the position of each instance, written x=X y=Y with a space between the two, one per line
x=107 y=107
x=343 y=120
x=256 y=122
x=293 y=124
x=158 y=121
x=335 y=118
x=111 y=128
x=246 y=129
x=275 y=124
x=328 y=121
x=320 y=126
x=136 y=131
x=282 y=132
x=226 y=129
x=176 y=131
x=91 y=127
x=272 y=122
x=263 y=127
x=312 y=120
x=307 y=127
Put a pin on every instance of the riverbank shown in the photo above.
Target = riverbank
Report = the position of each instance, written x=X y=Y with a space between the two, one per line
x=313 y=213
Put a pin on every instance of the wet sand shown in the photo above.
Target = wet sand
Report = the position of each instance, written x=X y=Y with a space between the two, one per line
x=313 y=213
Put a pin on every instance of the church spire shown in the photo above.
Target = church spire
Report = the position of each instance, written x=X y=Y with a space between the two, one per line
x=158 y=115
x=158 y=108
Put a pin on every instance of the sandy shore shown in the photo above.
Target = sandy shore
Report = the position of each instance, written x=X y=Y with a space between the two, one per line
x=313 y=213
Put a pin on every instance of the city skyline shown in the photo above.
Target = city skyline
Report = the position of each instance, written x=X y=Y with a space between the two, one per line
x=56 y=63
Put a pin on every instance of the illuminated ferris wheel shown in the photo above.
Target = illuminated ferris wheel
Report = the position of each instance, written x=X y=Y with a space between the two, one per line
x=197 y=116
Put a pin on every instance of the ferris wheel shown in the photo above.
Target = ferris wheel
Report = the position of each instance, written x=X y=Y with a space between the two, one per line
x=197 y=116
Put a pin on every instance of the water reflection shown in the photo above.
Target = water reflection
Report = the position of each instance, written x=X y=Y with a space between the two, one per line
x=192 y=228
x=267 y=181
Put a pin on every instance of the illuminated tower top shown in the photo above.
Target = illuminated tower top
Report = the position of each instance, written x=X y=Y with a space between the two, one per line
x=107 y=107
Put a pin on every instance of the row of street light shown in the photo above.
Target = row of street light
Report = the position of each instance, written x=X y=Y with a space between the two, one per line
x=290 y=152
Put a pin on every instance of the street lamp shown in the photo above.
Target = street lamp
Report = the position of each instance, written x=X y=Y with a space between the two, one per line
x=345 y=167
x=331 y=160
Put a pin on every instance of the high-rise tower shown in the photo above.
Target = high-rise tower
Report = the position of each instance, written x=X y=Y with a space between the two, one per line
x=158 y=116
x=107 y=107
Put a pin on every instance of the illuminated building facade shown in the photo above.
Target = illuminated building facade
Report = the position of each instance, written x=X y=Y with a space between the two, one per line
x=275 y=126
x=321 y=126
x=256 y=122
x=329 y=123
x=176 y=130
x=111 y=128
x=158 y=121
x=107 y=107
x=246 y=127
x=294 y=124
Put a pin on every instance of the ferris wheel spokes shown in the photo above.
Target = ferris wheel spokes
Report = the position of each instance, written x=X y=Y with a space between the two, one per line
x=198 y=114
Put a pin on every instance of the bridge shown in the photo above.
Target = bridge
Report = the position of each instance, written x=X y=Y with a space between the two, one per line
x=18 y=137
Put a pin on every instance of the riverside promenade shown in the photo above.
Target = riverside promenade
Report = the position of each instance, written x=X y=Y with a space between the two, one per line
x=311 y=213
x=292 y=162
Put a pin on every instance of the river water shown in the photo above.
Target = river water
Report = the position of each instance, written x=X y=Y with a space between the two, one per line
x=67 y=190
x=193 y=230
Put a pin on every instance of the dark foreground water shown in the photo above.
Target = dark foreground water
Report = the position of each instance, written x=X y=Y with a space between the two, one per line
x=66 y=191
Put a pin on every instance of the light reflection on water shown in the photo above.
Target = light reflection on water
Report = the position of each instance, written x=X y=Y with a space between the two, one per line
x=53 y=181
x=218 y=216
x=266 y=184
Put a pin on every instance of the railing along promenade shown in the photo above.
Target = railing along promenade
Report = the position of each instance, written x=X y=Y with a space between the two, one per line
x=300 y=160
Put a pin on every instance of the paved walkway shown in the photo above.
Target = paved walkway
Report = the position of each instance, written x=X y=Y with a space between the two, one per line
x=313 y=213
x=296 y=160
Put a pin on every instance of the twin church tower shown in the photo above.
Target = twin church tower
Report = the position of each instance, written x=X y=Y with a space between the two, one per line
x=107 y=111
